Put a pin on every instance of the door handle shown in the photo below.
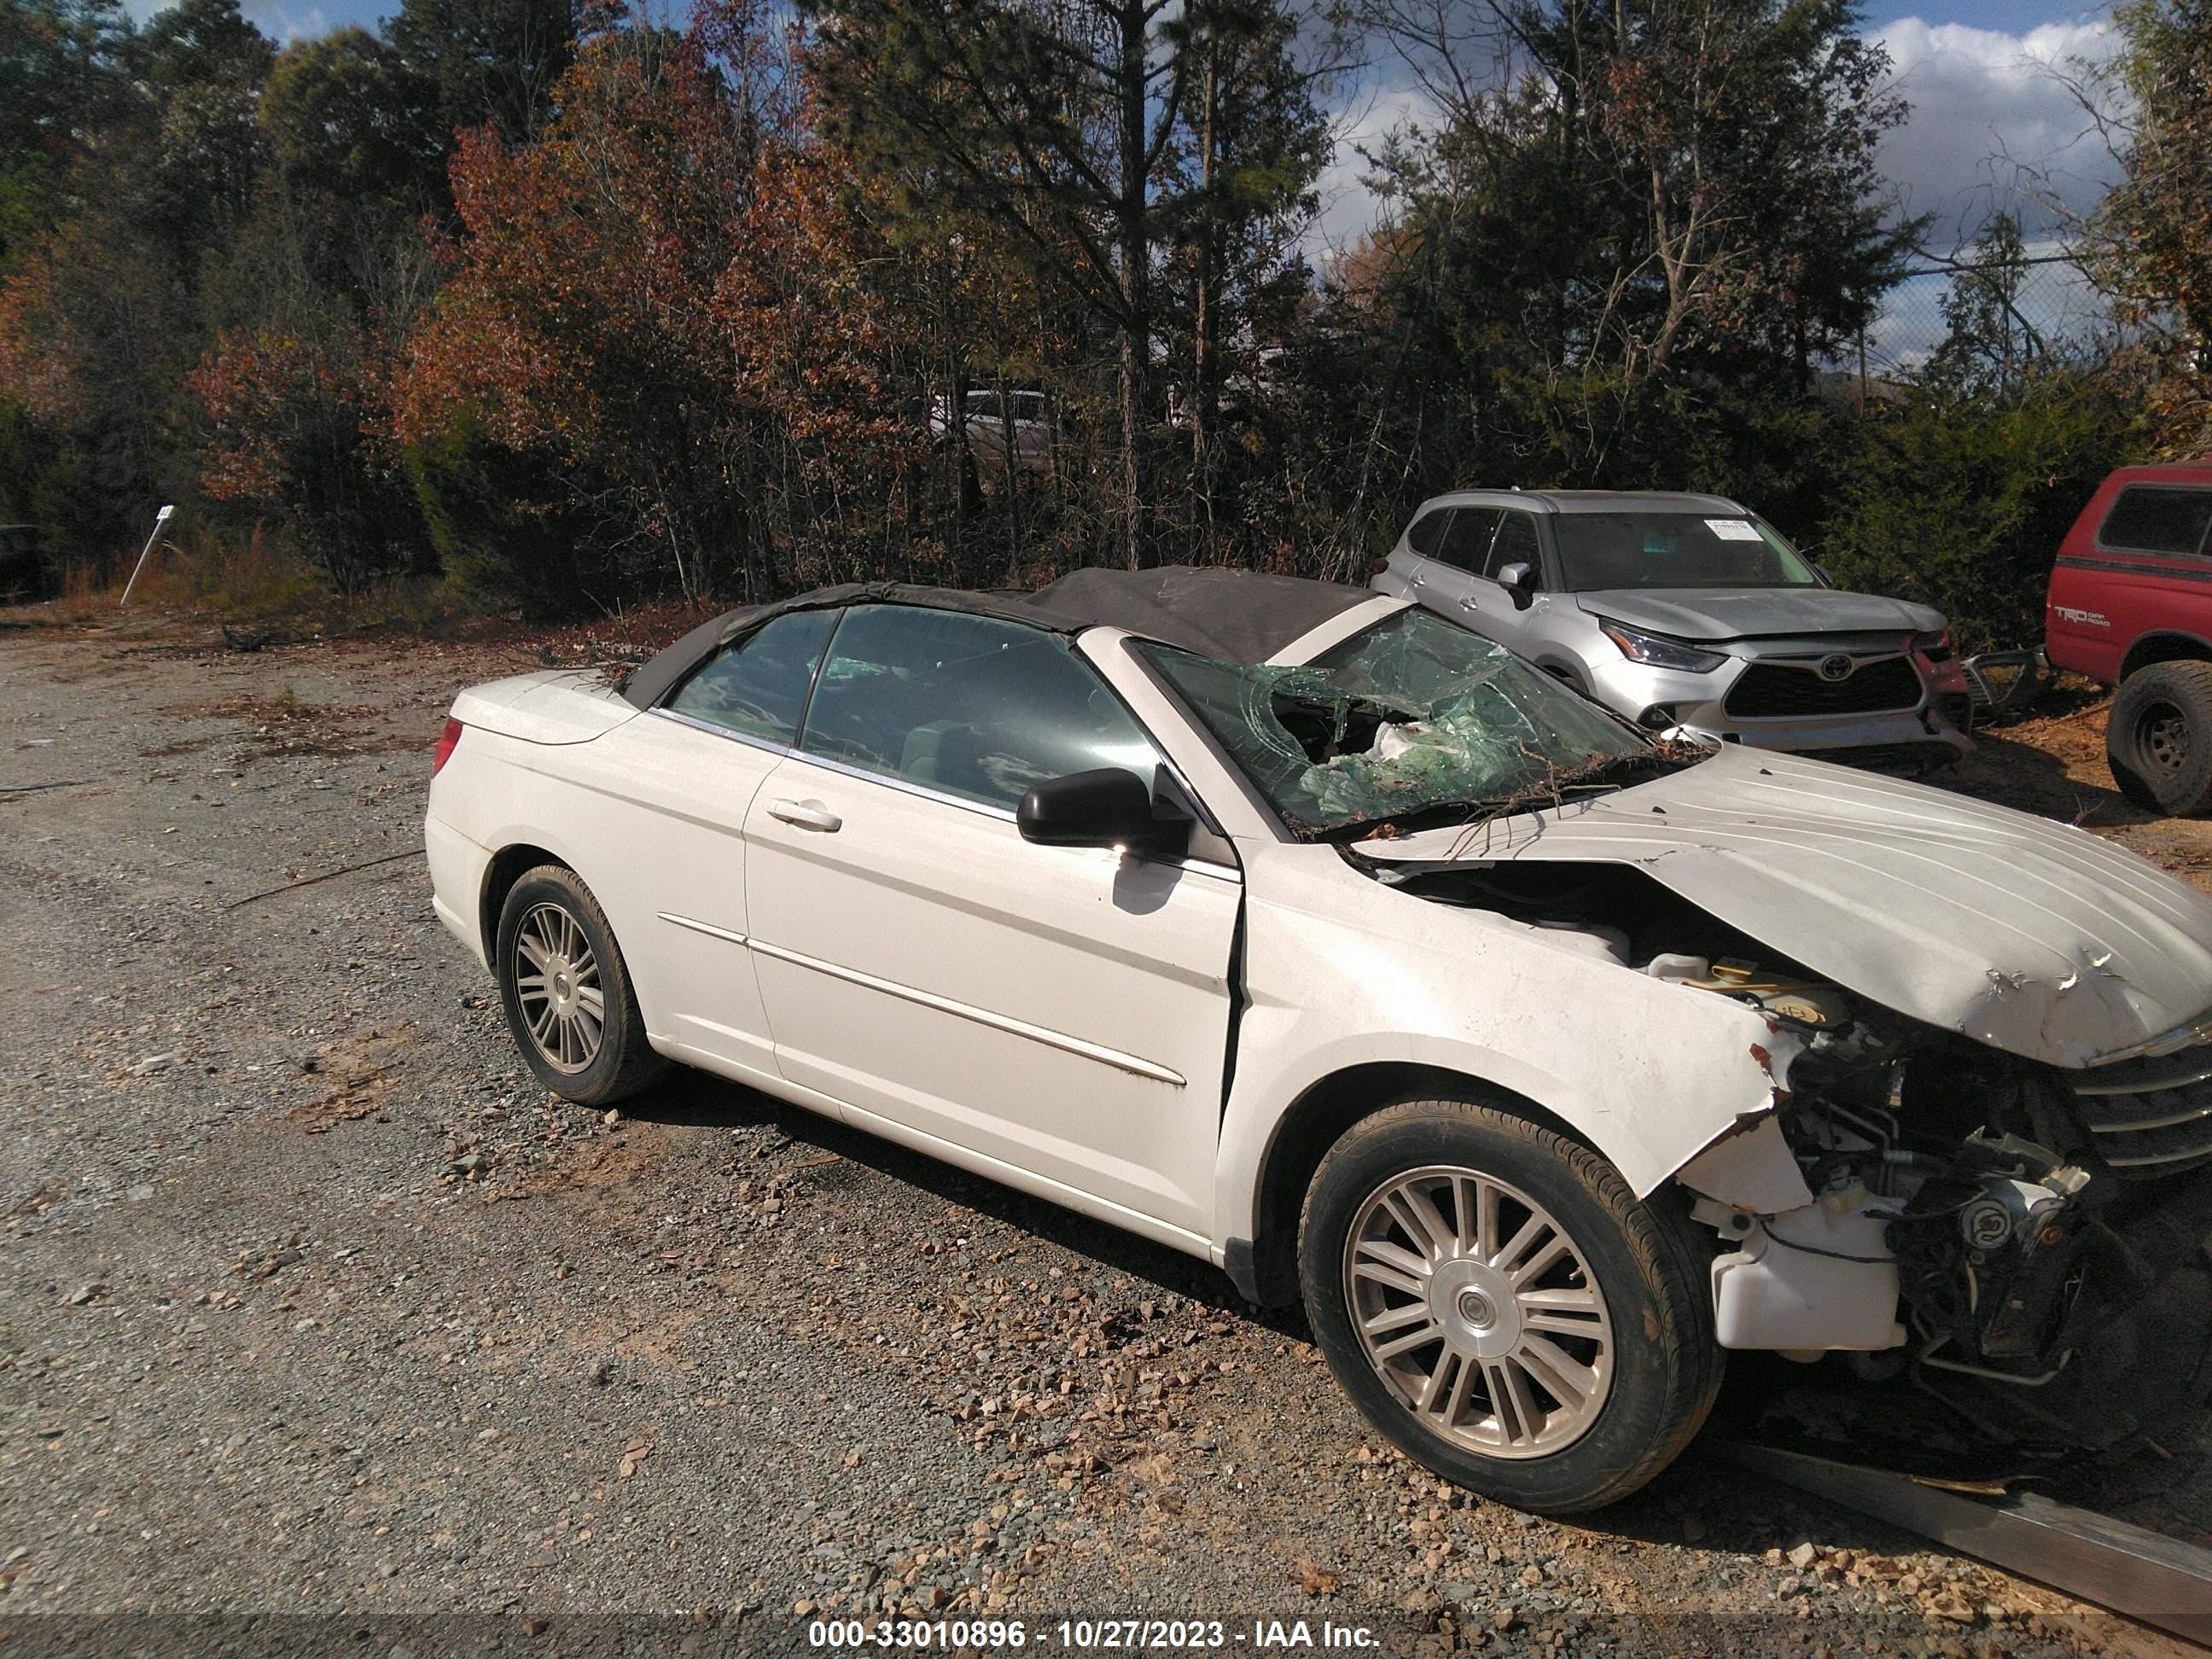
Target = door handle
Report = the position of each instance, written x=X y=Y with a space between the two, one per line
x=1419 y=580
x=807 y=815
x=1469 y=603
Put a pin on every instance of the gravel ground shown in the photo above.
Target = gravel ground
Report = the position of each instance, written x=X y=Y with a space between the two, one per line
x=321 y=1324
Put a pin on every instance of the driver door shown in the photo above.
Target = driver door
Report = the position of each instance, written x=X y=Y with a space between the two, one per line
x=1056 y=1013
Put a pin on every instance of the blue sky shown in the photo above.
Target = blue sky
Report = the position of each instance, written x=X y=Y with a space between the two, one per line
x=1981 y=76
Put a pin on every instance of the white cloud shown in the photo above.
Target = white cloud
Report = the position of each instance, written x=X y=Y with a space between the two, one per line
x=1987 y=105
x=1348 y=209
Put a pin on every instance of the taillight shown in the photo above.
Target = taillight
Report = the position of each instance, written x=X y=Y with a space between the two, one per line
x=448 y=740
x=1377 y=567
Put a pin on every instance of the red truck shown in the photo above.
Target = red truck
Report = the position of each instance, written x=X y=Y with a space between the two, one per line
x=2131 y=605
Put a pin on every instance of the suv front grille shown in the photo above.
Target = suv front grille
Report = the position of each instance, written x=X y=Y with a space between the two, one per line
x=2153 y=1116
x=1773 y=690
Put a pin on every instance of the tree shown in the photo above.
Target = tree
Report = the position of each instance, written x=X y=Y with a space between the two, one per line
x=1962 y=508
x=576 y=333
x=1987 y=345
x=1630 y=199
x=343 y=118
x=1067 y=122
x=201 y=42
x=150 y=155
x=1258 y=142
x=64 y=76
x=2150 y=243
x=301 y=423
x=473 y=63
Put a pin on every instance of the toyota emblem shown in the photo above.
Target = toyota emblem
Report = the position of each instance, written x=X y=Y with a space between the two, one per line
x=1836 y=667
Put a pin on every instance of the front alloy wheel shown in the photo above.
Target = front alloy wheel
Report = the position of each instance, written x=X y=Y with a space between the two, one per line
x=1496 y=1302
x=1478 y=1312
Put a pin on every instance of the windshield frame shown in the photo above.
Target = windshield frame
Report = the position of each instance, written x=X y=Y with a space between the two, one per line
x=1634 y=755
x=1786 y=554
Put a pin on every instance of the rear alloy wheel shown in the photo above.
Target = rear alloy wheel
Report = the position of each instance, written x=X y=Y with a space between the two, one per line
x=2158 y=739
x=1499 y=1304
x=567 y=992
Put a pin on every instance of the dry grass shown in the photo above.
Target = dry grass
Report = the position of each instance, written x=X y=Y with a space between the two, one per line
x=259 y=579
x=260 y=593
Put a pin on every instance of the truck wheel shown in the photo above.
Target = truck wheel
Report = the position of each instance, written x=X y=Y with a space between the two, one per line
x=1498 y=1302
x=2159 y=740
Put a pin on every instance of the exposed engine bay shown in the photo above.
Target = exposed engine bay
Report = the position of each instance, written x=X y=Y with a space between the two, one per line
x=2029 y=1244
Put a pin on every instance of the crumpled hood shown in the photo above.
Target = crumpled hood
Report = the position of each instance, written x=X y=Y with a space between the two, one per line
x=2035 y=937
x=1689 y=613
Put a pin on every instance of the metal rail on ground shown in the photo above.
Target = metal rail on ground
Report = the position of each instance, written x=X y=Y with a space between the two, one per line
x=2138 y=1574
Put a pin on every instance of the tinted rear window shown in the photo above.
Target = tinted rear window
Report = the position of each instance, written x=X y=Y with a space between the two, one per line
x=756 y=686
x=2157 y=519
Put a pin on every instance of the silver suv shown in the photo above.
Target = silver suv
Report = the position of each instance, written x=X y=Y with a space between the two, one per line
x=1690 y=616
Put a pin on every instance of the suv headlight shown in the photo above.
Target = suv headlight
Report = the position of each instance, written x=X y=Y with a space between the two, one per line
x=1936 y=647
x=1656 y=653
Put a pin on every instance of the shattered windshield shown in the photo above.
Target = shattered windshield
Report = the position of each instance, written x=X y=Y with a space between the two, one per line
x=1412 y=717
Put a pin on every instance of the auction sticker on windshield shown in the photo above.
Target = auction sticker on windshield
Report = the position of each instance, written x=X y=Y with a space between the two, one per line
x=1734 y=530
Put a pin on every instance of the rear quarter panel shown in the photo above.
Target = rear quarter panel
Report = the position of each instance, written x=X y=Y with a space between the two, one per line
x=2102 y=600
x=578 y=802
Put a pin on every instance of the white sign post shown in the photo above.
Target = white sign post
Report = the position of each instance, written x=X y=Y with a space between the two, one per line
x=160 y=518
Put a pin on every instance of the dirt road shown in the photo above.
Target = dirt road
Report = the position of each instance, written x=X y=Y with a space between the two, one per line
x=314 y=1312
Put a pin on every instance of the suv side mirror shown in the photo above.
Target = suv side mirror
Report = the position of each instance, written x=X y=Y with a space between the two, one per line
x=1109 y=807
x=1518 y=579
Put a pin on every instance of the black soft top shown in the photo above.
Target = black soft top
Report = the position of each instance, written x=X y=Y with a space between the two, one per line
x=1233 y=616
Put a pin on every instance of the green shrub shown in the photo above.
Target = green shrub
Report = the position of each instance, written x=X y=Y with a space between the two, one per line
x=504 y=531
x=1962 y=505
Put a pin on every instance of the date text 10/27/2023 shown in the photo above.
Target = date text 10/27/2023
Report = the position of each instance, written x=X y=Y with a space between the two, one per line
x=1089 y=1635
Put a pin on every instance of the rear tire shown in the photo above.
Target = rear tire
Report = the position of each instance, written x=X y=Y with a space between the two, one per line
x=1605 y=1359
x=2158 y=740
x=567 y=992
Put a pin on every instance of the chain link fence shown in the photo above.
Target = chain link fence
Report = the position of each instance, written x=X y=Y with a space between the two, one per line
x=1992 y=317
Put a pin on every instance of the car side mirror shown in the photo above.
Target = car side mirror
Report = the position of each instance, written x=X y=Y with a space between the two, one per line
x=1109 y=807
x=1518 y=579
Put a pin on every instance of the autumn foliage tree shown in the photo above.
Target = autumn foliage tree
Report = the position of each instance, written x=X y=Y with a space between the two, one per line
x=721 y=310
x=668 y=329
x=573 y=344
x=301 y=421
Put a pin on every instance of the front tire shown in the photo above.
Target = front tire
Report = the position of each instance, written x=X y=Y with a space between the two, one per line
x=567 y=992
x=1498 y=1302
x=2158 y=740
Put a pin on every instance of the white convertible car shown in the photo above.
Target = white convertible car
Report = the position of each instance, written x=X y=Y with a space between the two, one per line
x=1300 y=930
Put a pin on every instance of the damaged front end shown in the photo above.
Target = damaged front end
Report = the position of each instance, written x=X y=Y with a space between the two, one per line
x=2049 y=1227
x=1986 y=1167
x=2029 y=1243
